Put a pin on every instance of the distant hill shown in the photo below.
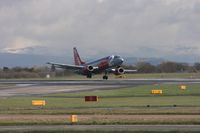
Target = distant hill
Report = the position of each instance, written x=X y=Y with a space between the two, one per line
x=28 y=60
x=134 y=60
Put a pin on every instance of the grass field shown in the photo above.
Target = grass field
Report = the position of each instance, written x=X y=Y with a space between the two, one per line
x=25 y=103
x=168 y=90
x=134 y=99
x=124 y=101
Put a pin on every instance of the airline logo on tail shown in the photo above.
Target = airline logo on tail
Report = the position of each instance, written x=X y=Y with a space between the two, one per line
x=77 y=59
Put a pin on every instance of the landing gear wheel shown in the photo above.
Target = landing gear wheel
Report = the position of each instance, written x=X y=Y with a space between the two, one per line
x=89 y=75
x=105 y=77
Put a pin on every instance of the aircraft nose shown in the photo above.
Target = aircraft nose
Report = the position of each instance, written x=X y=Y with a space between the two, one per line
x=117 y=61
x=121 y=60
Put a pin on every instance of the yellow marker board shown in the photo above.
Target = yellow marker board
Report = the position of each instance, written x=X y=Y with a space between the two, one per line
x=73 y=118
x=38 y=102
x=183 y=87
x=156 y=92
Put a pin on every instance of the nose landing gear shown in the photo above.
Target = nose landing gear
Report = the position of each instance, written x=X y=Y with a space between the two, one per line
x=105 y=77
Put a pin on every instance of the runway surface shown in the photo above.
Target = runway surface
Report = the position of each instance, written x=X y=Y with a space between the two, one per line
x=43 y=87
x=103 y=128
x=100 y=82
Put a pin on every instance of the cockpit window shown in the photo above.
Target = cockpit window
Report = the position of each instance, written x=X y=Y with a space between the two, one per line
x=116 y=56
x=111 y=57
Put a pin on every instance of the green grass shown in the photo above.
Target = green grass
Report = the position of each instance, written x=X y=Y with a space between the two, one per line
x=131 y=98
x=168 y=90
x=105 y=111
x=127 y=101
x=134 y=99
x=103 y=102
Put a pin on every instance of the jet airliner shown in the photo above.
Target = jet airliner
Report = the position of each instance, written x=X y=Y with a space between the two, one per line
x=109 y=64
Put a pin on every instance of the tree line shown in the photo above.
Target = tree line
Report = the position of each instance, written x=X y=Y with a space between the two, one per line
x=165 y=67
x=30 y=72
x=142 y=67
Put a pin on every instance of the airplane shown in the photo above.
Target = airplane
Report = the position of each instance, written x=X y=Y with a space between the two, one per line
x=109 y=64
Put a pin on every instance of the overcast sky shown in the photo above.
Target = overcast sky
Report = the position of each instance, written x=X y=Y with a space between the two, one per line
x=141 y=28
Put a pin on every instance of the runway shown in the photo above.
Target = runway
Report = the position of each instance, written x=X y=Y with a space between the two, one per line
x=102 y=82
x=43 y=87
x=102 y=128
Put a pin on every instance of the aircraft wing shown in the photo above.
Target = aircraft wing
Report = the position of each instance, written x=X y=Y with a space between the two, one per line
x=121 y=71
x=66 y=66
x=129 y=71
x=72 y=67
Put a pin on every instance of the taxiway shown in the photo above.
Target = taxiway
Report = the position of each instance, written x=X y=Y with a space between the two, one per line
x=102 y=128
x=43 y=87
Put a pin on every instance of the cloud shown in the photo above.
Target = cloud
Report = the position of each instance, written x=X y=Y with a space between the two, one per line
x=100 y=1
x=128 y=27
x=24 y=50
x=17 y=50
x=21 y=45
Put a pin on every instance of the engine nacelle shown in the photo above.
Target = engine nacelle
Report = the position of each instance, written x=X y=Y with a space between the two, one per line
x=90 y=68
x=119 y=71
x=87 y=70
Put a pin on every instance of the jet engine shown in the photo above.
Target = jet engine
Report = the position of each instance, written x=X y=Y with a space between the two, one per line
x=90 y=68
x=119 y=71
x=88 y=71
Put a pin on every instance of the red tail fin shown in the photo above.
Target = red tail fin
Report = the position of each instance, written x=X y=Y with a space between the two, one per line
x=77 y=59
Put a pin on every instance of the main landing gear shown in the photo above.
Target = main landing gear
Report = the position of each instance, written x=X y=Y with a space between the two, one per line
x=105 y=77
x=89 y=75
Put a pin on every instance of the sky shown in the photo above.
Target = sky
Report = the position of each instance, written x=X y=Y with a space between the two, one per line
x=139 y=28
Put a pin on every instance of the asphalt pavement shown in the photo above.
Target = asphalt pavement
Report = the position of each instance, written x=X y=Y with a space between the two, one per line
x=102 y=128
x=43 y=87
x=102 y=82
